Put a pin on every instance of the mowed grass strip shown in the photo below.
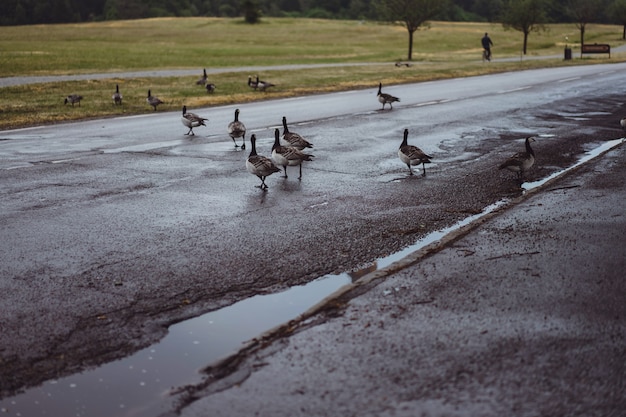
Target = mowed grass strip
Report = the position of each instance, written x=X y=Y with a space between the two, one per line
x=445 y=50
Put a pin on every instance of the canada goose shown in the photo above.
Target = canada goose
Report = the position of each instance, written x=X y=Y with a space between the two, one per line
x=258 y=165
x=263 y=85
x=253 y=84
x=288 y=155
x=153 y=101
x=385 y=98
x=202 y=80
x=294 y=139
x=191 y=120
x=73 y=98
x=117 y=97
x=210 y=87
x=412 y=155
x=236 y=129
x=402 y=64
x=521 y=161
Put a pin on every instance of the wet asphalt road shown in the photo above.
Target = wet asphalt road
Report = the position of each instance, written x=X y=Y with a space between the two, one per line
x=127 y=225
x=522 y=313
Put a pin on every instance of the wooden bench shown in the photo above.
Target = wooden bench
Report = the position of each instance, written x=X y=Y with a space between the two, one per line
x=596 y=48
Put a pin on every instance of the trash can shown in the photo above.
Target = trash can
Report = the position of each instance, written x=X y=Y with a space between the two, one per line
x=568 y=53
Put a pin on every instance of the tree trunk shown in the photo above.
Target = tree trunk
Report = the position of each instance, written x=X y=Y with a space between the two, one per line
x=582 y=39
x=525 y=41
x=410 y=45
x=624 y=32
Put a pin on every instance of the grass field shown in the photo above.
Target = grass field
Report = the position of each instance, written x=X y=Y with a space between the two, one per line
x=444 y=50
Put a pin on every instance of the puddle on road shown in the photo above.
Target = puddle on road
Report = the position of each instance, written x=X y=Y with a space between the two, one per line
x=139 y=385
x=588 y=156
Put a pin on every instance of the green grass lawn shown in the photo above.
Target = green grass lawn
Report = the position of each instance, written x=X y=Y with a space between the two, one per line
x=442 y=51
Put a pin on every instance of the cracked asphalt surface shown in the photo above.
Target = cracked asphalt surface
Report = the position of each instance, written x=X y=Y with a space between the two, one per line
x=523 y=315
x=105 y=301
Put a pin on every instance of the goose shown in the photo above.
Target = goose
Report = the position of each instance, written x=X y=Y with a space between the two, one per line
x=202 y=80
x=521 y=161
x=263 y=85
x=191 y=120
x=412 y=155
x=622 y=123
x=258 y=165
x=117 y=97
x=253 y=84
x=153 y=101
x=73 y=98
x=210 y=87
x=236 y=129
x=293 y=139
x=288 y=155
x=385 y=98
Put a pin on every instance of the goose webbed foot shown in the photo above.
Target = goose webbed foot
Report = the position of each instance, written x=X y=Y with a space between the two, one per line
x=243 y=147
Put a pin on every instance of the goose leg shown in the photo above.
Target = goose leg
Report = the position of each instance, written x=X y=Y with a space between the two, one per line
x=262 y=182
x=285 y=169
x=300 y=177
x=410 y=170
x=235 y=142
x=424 y=168
x=243 y=146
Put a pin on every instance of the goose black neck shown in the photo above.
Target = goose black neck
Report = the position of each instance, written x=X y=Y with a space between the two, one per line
x=406 y=136
x=253 y=141
x=528 y=148
x=276 y=139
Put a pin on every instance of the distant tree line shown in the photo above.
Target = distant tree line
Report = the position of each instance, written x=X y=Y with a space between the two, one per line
x=23 y=12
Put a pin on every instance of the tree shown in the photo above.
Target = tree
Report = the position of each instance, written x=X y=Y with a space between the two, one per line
x=583 y=12
x=525 y=16
x=489 y=9
x=251 y=11
x=617 y=10
x=412 y=13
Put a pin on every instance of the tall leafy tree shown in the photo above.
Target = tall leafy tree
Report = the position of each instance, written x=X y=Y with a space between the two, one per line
x=251 y=11
x=489 y=9
x=525 y=16
x=413 y=14
x=583 y=12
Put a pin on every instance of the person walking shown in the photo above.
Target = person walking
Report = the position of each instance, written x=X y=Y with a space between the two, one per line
x=487 y=44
